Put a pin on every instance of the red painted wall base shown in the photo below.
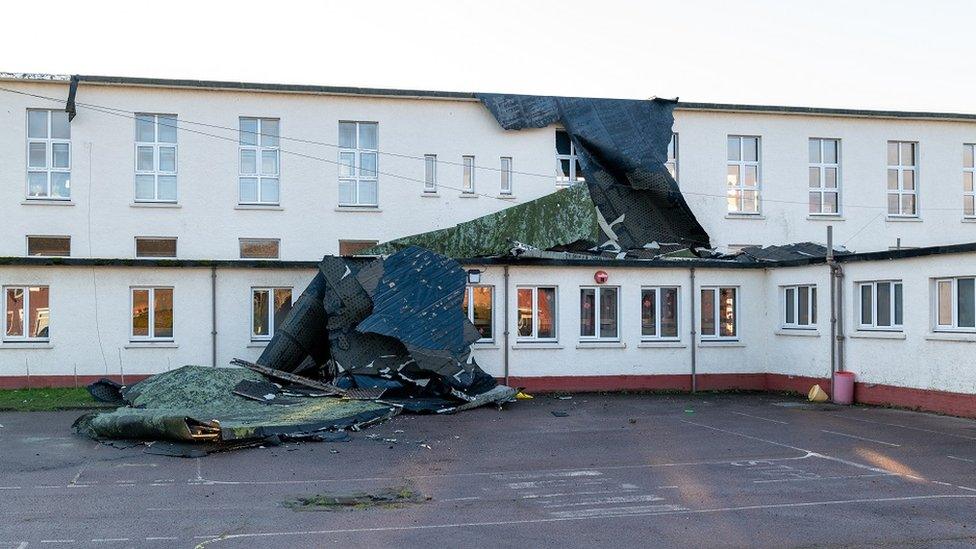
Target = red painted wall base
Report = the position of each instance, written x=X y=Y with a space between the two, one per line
x=23 y=382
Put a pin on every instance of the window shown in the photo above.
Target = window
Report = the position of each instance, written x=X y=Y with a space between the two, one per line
x=467 y=175
x=799 y=306
x=902 y=178
x=968 y=174
x=48 y=155
x=880 y=305
x=155 y=158
x=537 y=313
x=26 y=313
x=260 y=157
x=743 y=174
x=430 y=173
x=956 y=304
x=53 y=246
x=269 y=307
x=147 y=246
x=477 y=304
x=352 y=247
x=152 y=314
x=358 y=144
x=599 y=313
x=824 y=176
x=719 y=312
x=260 y=248
x=659 y=313
x=672 y=162
x=506 y=182
x=568 y=169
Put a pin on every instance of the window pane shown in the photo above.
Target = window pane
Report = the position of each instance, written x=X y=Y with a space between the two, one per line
x=430 y=172
x=750 y=201
x=967 y=156
x=367 y=192
x=155 y=247
x=506 y=175
x=60 y=185
x=892 y=153
x=898 y=304
x=269 y=133
x=892 y=180
x=347 y=191
x=803 y=307
x=145 y=159
x=884 y=304
x=39 y=313
x=60 y=157
x=282 y=305
x=163 y=313
x=830 y=178
x=145 y=187
x=145 y=128
x=249 y=161
x=908 y=180
x=587 y=312
x=790 y=298
x=669 y=312
x=893 y=203
x=14 y=312
x=482 y=310
x=347 y=135
x=37 y=155
x=830 y=151
x=562 y=142
x=367 y=135
x=249 y=189
x=55 y=246
x=269 y=162
x=524 y=315
x=733 y=148
x=967 y=302
x=167 y=128
x=727 y=312
x=367 y=165
x=140 y=313
x=547 y=313
x=968 y=205
x=708 y=312
x=60 y=128
x=37 y=124
x=732 y=176
x=830 y=203
x=945 y=303
x=249 y=131
x=648 y=312
x=813 y=305
x=167 y=187
x=259 y=248
x=814 y=178
x=908 y=154
x=37 y=184
x=814 y=151
x=260 y=313
x=867 y=306
x=908 y=204
x=269 y=189
x=579 y=172
x=751 y=176
x=167 y=159
x=608 y=312
x=750 y=149
x=967 y=182
x=347 y=164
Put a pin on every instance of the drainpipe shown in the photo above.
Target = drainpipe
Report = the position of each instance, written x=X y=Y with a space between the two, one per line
x=213 y=315
x=694 y=333
x=506 y=323
x=832 y=287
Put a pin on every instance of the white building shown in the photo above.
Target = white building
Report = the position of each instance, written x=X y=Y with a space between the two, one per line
x=256 y=182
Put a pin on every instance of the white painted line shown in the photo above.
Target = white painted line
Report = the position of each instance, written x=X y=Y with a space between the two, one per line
x=962 y=459
x=563 y=482
x=162 y=538
x=108 y=540
x=57 y=541
x=472 y=498
x=907 y=427
x=527 y=476
x=11 y=487
x=767 y=481
x=967 y=488
x=617 y=511
x=564 y=494
x=645 y=498
x=893 y=445
x=762 y=418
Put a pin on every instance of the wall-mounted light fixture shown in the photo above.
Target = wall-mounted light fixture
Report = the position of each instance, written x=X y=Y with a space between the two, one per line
x=474 y=276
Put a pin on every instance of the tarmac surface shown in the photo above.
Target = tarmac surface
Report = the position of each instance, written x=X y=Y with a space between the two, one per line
x=626 y=471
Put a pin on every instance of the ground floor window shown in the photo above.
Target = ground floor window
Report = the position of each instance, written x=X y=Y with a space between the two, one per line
x=799 y=306
x=26 y=313
x=956 y=304
x=599 y=313
x=880 y=305
x=719 y=312
x=152 y=314
x=537 y=313
x=269 y=307
x=477 y=304
x=659 y=313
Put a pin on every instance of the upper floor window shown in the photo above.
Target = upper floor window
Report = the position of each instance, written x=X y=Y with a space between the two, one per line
x=353 y=247
x=880 y=305
x=260 y=248
x=506 y=176
x=151 y=246
x=536 y=313
x=956 y=304
x=743 y=177
x=902 y=178
x=799 y=306
x=269 y=307
x=477 y=304
x=719 y=308
x=358 y=144
x=51 y=246
x=672 y=162
x=48 y=155
x=659 y=313
x=568 y=169
x=430 y=173
x=824 y=176
x=467 y=174
x=260 y=157
x=152 y=314
x=599 y=313
x=26 y=313
x=968 y=174
x=155 y=158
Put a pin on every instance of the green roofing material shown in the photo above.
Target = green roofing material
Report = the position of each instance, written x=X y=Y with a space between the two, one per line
x=164 y=405
x=564 y=216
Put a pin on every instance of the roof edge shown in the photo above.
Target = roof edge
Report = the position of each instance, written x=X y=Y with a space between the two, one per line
x=824 y=111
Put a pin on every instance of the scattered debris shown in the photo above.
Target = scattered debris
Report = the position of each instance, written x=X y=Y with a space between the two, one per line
x=560 y=413
x=522 y=395
x=388 y=498
x=817 y=394
x=564 y=397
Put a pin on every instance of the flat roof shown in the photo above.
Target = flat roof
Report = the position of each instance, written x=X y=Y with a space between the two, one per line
x=463 y=96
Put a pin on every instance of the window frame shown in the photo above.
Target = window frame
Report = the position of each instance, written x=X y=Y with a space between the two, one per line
x=954 y=327
x=272 y=329
x=28 y=238
x=505 y=182
x=358 y=179
x=240 y=248
x=25 y=288
x=49 y=167
x=737 y=191
x=135 y=249
x=573 y=158
x=717 y=315
x=467 y=173
x=535 y=314
x=822 y=166
x=597 y=314
x=785 y=301
x=969 y=197
x=469 y=292
x=151 y=337
x=658 y=309
x=893 y=310
x=156 y=172
x=900 y=169
x=671 y=164
x=430 y=173
x=259 y=149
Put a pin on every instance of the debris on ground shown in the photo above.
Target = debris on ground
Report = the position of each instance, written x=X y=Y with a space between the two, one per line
x=817 y=394
x=522 y=395
x=387 y=498
x=560 y=413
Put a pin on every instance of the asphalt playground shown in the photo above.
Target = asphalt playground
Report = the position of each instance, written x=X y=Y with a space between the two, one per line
x=615 y=470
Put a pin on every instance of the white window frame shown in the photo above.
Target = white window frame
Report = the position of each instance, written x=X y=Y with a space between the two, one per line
x=901 y=168
x=658 y=308
x=717 y=319
x=535 y=314
x=820 y=168
x=49 y=167
x=597 y=313
x=505 y=182
x=892 y=309
x=360 y=177
x=156 y=172
x=672 y=162
x=259 y=149
x=430 y=173
x=25 y=321
x=271 y=311
x=573 y=158
x=737 y=191
x=954 y=303
x=467 y=174
x=469 y=292
x=786 y=300
x=969 y=178
x=152 y=314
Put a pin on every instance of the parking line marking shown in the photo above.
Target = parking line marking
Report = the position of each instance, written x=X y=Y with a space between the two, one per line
x=563 y=494
x=907 y=427
x=57 y=541
x=105 y=540
x=962 y=459
x=762 y=418
x=10 y=487
x=766 y=481
x=643 y=498
x=162 y=538
x=893 y=445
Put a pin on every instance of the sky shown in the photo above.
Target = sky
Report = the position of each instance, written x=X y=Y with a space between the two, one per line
x=894 y=54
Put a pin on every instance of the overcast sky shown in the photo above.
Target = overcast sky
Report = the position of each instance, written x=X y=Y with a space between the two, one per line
x=894 y=54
